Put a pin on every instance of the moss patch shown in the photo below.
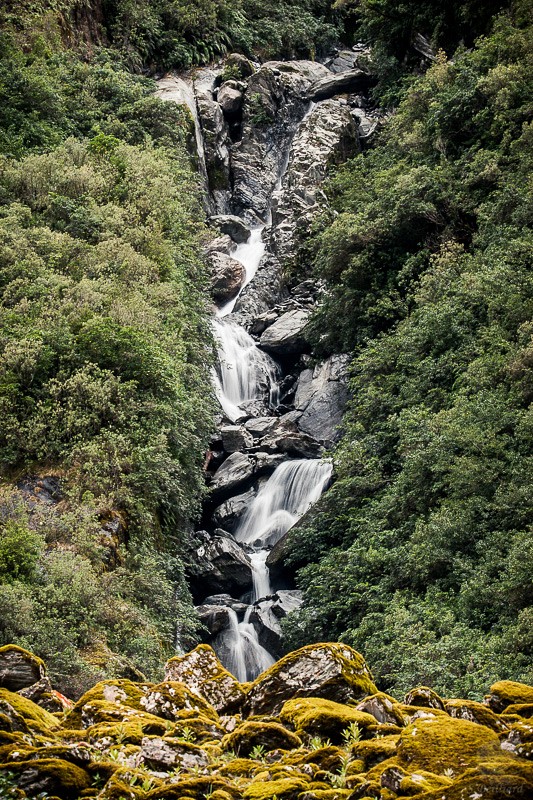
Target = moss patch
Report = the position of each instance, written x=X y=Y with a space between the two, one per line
x=268 y=735
x=316 y=716
x=14 y=706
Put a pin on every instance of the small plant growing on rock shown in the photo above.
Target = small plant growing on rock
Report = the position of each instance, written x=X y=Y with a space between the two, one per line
x=351 y=734
x=258 y=752
x=317 y=743
x=188 y=735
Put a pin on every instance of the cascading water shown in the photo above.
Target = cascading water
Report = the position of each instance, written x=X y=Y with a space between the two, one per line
x=249 y=254
x=290 y=491
x=244 y=372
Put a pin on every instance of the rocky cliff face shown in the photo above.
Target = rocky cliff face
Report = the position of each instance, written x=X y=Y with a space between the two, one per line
x=266 y=138
x=313 y=727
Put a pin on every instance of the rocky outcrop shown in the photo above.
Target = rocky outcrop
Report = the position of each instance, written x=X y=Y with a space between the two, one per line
x=353 y=81
x=321 y=397
x=333 y=671
x=287 y=335
x=204 y=674
x=274 y=104
x=198 y=734
x=227 y=276
x=328 y=135
x=221 y=565
x=19 y=669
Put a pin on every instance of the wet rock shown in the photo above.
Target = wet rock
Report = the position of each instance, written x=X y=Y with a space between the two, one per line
x=227 y=276
x=236 y=470
x=267 y=626
x=235 y=438
x=232 y=226
x=19 y=668
x=228 y=513
x=262 y=322
x=266 y=463
x=230 y=98
x=298 y=445
x=261 y=426
x=204 y=674
x=344 y=61
x=333 y=671
x=214 y=617
x=321 y=396
x=225 y=600
x=327 y=136
x=274 y=104
x=221 y=564
x=384 y=709
x=353 y=80
x=222 y=244
x=287 y=335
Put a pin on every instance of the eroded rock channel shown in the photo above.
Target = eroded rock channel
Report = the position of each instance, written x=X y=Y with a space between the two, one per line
x=266 y=138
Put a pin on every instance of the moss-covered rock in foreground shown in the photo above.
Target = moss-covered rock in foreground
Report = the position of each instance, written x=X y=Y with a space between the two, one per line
x=136 y=741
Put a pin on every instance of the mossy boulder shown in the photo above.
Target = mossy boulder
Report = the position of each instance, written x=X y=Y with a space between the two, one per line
x=524 y=710
x=332 y=671
x=168 y=753
x=424 y=697
x=202 y=672
x=519 y=739
x=171 y=698
x=23 y=714
x=506 y=693
x=285 y=789
x=50 y=775
x=442 y=743
x=384 y=708
x=315 y=716
x=197 y=788
x=402 y=782
x=268 y=735
x=373 y=751
x=19 y=668
x=326 y=794
x=115 y=694
x=475 y=712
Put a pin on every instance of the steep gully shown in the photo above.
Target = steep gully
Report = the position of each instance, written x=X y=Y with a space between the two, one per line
x=264 y=143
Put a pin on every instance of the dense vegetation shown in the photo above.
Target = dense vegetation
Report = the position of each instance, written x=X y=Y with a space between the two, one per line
x=421 y=554
x=105 y=354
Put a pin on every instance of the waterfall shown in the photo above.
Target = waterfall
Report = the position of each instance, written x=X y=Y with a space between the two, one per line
x=239 y=650
x=249 y=254
x=244 y=372
x=290 y=491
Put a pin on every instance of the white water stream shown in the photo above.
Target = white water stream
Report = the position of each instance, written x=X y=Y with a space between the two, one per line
x=244 y=374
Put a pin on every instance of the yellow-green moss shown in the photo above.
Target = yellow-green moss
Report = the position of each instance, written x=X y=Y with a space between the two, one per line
x=117 y=694
x=269 y=735
x=506 y=693
x=284 y=680
x=238 y=767
x=524 y=710
x=170 y=698
x=63 y=778
x=474 y=712
x=316 y=716
x=195 y=788
x=285 y=789
x=372 y=751
x=442 y=743
x=326 y=794
x=35 y=717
